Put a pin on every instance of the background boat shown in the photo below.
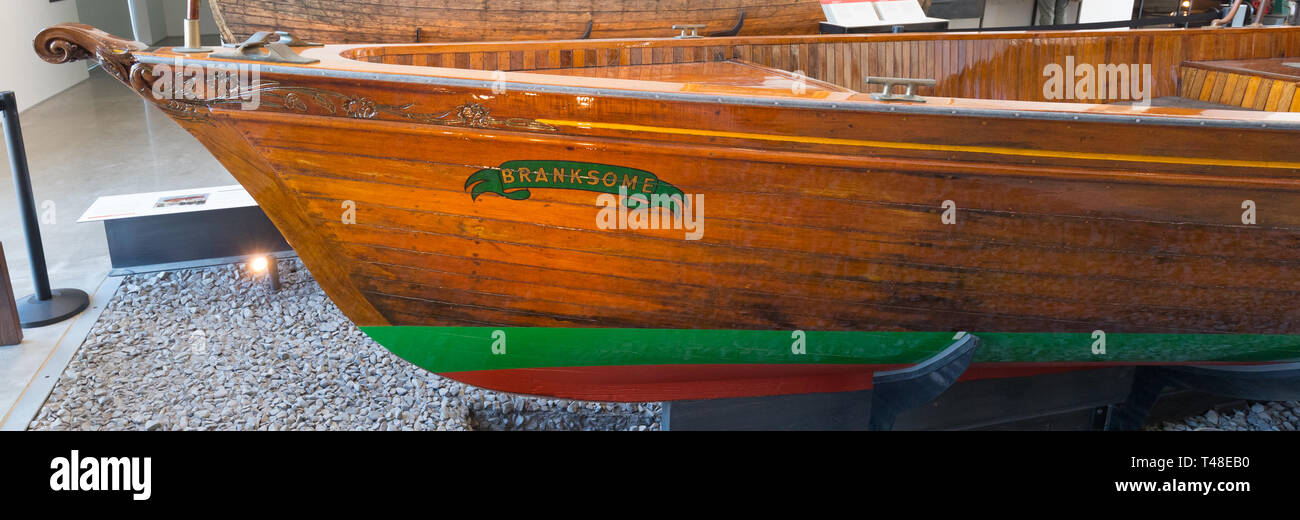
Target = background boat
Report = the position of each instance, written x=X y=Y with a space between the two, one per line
x=349 y=21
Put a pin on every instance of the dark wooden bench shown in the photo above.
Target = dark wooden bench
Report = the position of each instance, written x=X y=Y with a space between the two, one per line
x=10 y=332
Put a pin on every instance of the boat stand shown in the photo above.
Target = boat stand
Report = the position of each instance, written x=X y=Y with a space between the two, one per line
x=896 y=391
x=928 y=397
x=893 y=393
x=1276 y=382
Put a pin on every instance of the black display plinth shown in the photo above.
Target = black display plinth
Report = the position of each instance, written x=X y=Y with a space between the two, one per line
x=190 y=239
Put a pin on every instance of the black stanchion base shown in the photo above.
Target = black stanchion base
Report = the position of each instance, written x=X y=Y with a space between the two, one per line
x=65 y=304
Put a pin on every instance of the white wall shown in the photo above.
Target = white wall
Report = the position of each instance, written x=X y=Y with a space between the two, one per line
x=149 y=20
x=110 y=16
x=1072 y=13
x=1105 y=10
x=31 y=79
x=1008 y=13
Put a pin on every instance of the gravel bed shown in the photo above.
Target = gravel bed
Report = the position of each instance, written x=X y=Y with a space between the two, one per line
x=1271 y=416
x=216 y=349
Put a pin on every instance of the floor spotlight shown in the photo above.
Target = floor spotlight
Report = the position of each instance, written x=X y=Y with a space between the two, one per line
x=265 y=264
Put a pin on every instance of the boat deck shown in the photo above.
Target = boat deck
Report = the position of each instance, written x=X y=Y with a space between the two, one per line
x=1272 y=68
x=716 y=75
x=1182 y=102
x=1260 y=84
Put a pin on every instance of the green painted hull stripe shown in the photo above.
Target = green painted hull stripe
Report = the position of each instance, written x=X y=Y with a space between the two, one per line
x=457 y=349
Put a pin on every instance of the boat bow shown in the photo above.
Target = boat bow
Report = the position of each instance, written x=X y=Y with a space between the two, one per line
x=70 y=42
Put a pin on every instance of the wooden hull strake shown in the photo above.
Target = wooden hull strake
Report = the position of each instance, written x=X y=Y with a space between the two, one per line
x=865 y=233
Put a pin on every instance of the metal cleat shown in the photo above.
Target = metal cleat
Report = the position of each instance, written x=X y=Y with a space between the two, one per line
x=909 y=95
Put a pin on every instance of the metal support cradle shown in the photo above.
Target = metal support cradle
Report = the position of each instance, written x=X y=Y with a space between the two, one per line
x=1273 y=382
x=896 y=391
x=928 y=396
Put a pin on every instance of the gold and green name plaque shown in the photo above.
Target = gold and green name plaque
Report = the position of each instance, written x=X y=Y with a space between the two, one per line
x=515 y=179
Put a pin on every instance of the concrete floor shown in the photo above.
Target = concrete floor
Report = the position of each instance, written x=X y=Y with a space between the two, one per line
x=96 y=138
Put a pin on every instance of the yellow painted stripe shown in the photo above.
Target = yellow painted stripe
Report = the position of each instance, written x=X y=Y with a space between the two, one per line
x=999 y=150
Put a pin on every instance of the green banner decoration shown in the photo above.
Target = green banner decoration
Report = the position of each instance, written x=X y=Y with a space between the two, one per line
x=513 y=179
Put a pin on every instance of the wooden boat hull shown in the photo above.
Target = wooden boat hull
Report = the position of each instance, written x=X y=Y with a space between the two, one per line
x=827 y=253
x=352 y=21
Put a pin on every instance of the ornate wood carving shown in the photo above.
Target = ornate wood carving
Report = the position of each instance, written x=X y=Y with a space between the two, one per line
x=69 y=42
x=319 y=101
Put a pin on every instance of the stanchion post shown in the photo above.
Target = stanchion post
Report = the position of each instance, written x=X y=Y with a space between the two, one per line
x=46 y=306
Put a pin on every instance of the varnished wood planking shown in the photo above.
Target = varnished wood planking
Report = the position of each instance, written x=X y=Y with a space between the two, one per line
x=785 y=291
x=1216 y=89
x=952 y=131
x=552 y=281
x=721 y=228
x=288 y=216
x=1092 y=199
x=989 y=66
x=1241 y=90
x=1229 y=89
x=909 y=219
x=356 y=21
x=788 y=295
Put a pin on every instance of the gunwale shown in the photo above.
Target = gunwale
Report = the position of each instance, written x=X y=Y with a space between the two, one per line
x=336 y=63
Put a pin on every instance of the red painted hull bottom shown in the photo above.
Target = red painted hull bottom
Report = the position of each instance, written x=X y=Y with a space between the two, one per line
x=678 y=382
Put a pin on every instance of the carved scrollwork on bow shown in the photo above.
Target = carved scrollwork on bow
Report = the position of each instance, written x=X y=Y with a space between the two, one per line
x=69 y=42
x=318 y=101
x=193 y=98
x=142 y=79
